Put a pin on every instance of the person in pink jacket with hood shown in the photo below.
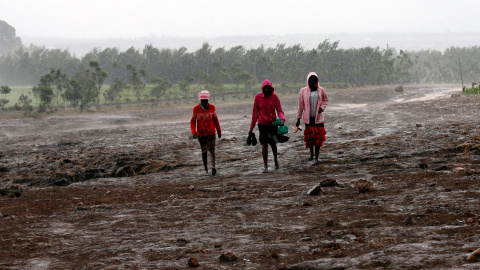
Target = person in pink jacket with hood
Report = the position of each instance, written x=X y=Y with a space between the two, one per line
x=265 y=109
x=312 y=101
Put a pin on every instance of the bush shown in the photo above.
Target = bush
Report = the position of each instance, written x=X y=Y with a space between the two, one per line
x=471 y=91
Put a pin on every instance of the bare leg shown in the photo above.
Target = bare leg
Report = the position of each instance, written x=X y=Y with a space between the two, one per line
x=212 y=159
x=204 y=158
x=265 y=156
x=274 y=151
x=311 y=152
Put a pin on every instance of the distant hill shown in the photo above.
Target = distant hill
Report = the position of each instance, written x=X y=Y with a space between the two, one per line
x=399 y=41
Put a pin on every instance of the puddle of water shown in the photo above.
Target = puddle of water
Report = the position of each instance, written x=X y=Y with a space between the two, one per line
x=430 y=96
x=347 y=106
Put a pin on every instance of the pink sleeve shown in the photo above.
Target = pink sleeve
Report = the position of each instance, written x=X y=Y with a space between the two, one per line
x=324 y=99
x=300 y=105
x=254 y=115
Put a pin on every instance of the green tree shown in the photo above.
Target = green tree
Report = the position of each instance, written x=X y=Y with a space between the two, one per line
x=24 y=104
x=82 y=91
x=98 y=75
x=161 y=88
x=9 y=41
x=58 y=81
x=185 y=85
x=4 y=90
x=236 y=71
x=292 y=72
x=246 y=79
x=114 y=93
x=136 y=81
x=216 y=78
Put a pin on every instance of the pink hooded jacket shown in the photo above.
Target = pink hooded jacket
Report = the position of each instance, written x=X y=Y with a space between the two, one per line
x=264 y=108
x=304 y=103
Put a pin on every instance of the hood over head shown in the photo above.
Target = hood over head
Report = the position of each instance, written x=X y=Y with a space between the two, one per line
x=310 y=74
x=267 y=82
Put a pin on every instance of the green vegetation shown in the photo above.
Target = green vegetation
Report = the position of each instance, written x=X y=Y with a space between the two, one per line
x=4 y=90
x=159 y=77
x=475 y=89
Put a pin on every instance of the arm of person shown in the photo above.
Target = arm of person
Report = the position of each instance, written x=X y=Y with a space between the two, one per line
x=297 y=126
x=300 y=105
x=193 y=124
x=278 y=107
x=254 y=115
x=217 y=125
x=324 y=103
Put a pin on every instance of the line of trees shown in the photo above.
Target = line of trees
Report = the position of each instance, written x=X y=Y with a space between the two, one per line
x=61 y=79
x=237 y=65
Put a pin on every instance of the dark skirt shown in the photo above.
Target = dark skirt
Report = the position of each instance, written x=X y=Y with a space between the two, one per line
x=268 y=134
x=207 y=143
x=314 y=134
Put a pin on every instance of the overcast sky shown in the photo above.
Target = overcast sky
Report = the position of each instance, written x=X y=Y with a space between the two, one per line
x=214 y=18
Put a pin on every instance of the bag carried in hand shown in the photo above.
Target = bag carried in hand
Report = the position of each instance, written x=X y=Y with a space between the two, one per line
x=281 y=128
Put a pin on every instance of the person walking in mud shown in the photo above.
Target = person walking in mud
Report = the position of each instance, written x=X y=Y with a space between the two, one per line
x=265 y=109
x=204 y=124
x=312 y=101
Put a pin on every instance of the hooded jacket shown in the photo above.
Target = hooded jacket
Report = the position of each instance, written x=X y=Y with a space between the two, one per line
x=265 y=109
x=304 y=103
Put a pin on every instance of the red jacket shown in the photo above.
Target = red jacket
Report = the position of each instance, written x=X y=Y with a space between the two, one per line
x=265 y=109
x=204 y=122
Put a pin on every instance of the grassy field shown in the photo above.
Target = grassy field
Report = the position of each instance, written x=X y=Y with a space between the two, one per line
x=225 y=94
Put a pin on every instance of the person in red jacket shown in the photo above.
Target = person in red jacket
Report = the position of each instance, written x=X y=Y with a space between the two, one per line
x=265 y=109
x=204 y=124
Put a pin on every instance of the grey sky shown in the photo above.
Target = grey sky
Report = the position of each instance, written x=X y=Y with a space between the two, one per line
x=213 y=18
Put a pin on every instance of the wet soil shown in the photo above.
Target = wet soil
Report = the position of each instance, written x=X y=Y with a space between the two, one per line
x=127 y=190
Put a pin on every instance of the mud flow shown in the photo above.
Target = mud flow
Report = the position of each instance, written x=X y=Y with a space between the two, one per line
x=397 y=186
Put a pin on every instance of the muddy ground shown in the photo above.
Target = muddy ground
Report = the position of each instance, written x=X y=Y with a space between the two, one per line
x=127 y=190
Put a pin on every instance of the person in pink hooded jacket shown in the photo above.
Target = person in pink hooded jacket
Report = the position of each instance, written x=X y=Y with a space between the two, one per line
x=312 y=101
x=265 y=109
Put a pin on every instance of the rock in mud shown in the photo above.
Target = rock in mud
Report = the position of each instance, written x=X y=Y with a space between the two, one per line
x=61 y=183
x=442 y=168
x=474 y=257
x=410 y=220
x=399 y=89
x=193 y=262
x=228 y=257
x=364 y=186
x=423 y=166
x=125 y=171
x=306 y=203
x=316 y=190
x=328 y=183
x=12 y=191
x=316 y=265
